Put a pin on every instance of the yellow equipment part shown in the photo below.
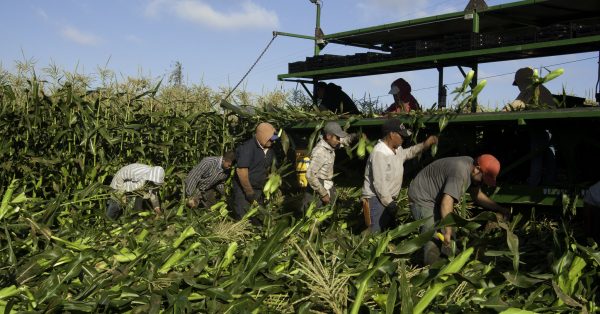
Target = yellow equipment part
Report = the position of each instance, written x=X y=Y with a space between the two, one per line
x=301 y=167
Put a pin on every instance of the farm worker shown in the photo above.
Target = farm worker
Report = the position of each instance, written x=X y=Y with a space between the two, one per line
x=384 y=172
x=404 y=101
x=591 y=211
x=543 y=162
x=524 y=81
x=334 y=99
x=320 y=169
x=434 y=191
x=253 y=158
x=135 y=182
x=207 y=179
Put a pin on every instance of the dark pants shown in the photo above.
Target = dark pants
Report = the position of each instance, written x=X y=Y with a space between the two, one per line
x=543 y=162
x=240 y=203
x=382 y=217
x=310 y=195
x=431 y=250
x=205 y=199
x=115 y=208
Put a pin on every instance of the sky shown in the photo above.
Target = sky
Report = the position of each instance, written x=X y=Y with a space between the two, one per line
x=217 y=41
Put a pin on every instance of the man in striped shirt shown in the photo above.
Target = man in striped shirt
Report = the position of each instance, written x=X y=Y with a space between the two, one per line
x=135 y=182
x=207 y=178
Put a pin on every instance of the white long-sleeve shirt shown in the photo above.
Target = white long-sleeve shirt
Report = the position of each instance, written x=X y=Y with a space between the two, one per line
x=385 y=169
x=134 y=176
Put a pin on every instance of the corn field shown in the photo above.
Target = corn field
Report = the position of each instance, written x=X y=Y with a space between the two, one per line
x=62 y=142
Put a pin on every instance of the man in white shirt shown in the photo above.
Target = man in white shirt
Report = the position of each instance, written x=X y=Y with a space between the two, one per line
x=384 y=172
x=135 y=181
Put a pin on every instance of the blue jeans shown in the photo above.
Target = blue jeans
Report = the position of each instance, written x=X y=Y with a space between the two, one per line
x=381 y=217
x=420 y=213
x=431 y=251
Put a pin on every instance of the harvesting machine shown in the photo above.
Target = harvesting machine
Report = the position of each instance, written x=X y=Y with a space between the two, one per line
x=479 y=34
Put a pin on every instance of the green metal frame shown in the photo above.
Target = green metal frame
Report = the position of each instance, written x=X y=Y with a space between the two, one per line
x=446 y=56
x=517 y=117
x=512 y=194
x=520 y=194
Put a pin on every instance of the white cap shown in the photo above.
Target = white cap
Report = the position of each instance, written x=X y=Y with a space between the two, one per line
x=395 y=90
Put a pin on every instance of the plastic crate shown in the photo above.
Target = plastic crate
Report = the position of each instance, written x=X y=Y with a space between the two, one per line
x=553 y=32
x=487 y=40
x=406 y=49
x=296 y=67
x=429 y=47
x=457 y=42
x=586 y=28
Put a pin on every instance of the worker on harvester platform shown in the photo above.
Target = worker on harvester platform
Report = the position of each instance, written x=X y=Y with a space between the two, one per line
x=543 y=160
x=404 y=101
x=332 y=98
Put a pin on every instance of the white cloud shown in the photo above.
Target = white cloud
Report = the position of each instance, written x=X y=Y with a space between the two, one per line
x=399 y=10
x=133 y=39
x=80 y=37
x=41 y=13
x=153 y=8
x=249 y=14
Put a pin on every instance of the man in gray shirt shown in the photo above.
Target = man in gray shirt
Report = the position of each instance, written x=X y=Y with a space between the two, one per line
x=436 y=188
x=384 y=172
x=320 y=169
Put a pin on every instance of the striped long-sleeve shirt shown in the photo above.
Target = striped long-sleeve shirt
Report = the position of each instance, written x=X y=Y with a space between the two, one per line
x=133 y=177
x=208 y=174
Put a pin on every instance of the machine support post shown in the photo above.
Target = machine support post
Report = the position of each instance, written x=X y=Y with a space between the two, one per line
x=318 y=31
x=441 y=88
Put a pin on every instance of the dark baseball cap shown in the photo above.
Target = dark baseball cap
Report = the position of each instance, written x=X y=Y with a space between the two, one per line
x=393 y=125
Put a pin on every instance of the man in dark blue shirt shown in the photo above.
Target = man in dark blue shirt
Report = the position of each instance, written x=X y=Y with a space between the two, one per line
x=254 y=158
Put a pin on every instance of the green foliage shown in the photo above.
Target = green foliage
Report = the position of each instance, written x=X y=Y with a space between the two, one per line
x=62 y=143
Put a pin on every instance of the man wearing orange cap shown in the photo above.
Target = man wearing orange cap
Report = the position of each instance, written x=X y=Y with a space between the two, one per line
x=404 y=101
x=254 y=158
x=436 y=188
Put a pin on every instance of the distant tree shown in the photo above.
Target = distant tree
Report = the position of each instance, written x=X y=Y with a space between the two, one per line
x=176 y=77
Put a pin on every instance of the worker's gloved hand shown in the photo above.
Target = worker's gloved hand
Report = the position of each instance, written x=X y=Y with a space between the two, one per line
x=251 y=197
x=392 y=207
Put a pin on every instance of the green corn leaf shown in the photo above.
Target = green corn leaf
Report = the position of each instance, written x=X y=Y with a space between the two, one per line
x=392 y=294
x=431 y=293
x=456 y=264
x=229 y=254
x=513 y=310
x=187 y=232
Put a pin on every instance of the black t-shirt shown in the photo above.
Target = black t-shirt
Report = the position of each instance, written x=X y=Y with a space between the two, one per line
x=337 y=101
x=250 y=155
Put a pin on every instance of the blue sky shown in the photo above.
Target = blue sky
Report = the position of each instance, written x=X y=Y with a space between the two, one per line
x=217 y=41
